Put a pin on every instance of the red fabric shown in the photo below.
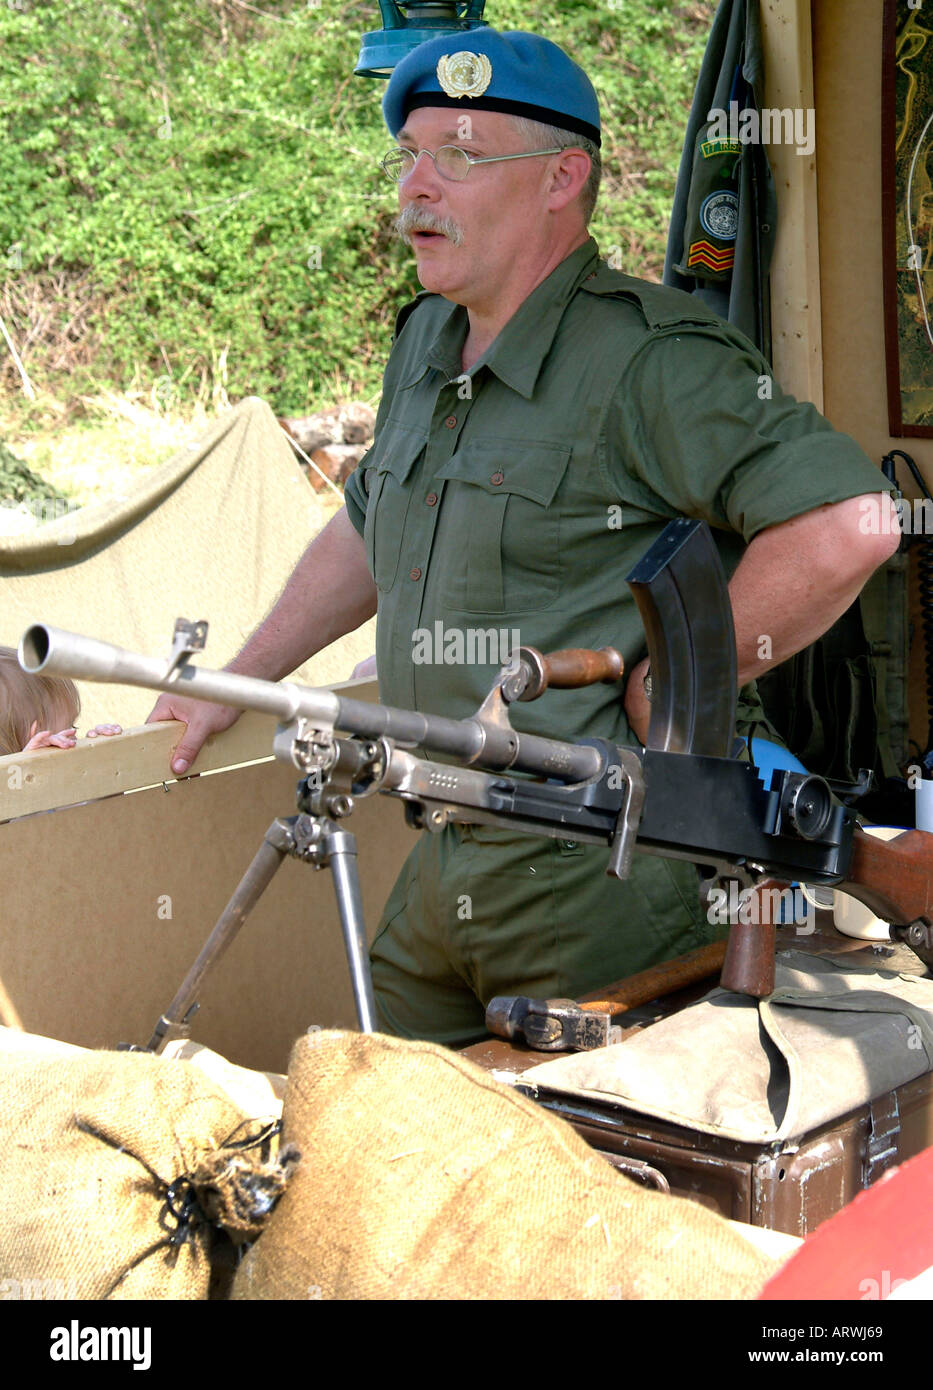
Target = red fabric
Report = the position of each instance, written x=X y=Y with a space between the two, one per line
x=883 y=1237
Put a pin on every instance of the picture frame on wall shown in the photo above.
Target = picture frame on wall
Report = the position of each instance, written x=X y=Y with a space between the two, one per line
x=907 y=211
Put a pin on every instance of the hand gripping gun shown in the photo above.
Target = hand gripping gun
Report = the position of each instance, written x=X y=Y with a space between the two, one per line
x=684 y=795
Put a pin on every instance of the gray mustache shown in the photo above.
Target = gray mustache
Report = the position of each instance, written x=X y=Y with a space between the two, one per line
x=415 y=219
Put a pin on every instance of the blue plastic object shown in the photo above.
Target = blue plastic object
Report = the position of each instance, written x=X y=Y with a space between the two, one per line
x=768 y=756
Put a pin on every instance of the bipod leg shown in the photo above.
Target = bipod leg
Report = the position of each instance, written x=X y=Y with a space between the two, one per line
x=321 y=841
x=176 y=1021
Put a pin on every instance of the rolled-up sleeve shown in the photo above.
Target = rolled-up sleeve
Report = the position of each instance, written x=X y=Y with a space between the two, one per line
x=703 y=425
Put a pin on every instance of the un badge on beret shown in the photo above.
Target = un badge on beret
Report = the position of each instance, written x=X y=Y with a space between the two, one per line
x=464 y=74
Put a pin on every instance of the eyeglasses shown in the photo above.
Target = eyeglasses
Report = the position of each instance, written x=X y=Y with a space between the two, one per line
x=450 y=161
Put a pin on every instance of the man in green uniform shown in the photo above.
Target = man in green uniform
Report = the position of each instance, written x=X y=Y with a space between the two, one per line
x=543 y=417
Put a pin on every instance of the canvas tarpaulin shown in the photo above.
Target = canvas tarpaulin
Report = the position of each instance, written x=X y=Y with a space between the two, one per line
x=214 y=533
x=831 y=1037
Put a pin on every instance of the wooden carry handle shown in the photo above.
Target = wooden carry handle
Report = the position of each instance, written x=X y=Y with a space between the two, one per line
x=569 y=669
x=576 y=666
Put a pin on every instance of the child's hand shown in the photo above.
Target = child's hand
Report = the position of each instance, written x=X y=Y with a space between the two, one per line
x=65 y=738
x=44 y=738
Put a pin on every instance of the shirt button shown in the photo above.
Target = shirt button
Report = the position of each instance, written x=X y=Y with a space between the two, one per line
x=497 y=478
x=414 y=574
x=451 y=421
x=431 y=499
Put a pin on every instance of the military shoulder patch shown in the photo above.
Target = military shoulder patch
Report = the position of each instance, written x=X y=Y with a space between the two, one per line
x=719 y=215
x=711 y=148
x=719 y=259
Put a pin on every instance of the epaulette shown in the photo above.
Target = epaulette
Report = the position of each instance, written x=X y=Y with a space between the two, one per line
x=660 y=305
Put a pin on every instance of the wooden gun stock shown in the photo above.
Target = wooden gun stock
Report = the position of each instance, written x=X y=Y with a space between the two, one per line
x=894 y=878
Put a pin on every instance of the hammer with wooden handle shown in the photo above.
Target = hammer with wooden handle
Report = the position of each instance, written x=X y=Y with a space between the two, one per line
x=567 y=1025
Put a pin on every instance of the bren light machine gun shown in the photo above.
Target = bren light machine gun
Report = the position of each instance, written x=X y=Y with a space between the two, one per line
x=683 y=795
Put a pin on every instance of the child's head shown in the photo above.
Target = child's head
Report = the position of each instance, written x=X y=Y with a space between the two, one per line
x=24 y=699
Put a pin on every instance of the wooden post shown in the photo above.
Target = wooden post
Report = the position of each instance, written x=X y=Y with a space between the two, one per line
x=797 y=347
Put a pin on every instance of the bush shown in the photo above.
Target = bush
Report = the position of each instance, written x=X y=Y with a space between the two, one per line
x=18 y=483
x=192 y=186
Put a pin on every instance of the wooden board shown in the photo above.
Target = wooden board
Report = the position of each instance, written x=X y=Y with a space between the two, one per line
x=106 y=904
x=95 y=768
x=847 y=48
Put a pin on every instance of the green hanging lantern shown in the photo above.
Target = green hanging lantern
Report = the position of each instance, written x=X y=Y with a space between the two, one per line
x=401 y=32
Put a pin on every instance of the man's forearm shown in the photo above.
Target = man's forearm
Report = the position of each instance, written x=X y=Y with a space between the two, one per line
x=330 y=593
x=796 y=579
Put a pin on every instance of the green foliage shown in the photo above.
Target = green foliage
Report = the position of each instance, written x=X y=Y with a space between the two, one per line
x=204 y=175
x=18 y=483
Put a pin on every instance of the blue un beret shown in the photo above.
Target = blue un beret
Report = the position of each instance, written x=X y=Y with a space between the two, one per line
x=487 y=70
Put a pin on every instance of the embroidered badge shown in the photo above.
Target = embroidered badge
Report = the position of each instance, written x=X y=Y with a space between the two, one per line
x=719 y=215
x=711 y=148
x=464 y=74
x=716 y=258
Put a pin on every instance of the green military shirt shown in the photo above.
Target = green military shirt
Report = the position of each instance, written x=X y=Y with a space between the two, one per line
x=513 y=500
x=518 y=496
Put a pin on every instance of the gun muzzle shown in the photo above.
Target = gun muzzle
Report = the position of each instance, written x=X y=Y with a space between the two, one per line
x=42 y=649
x=56 y=652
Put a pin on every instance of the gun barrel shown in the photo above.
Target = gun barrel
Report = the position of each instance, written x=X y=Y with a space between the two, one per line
x=56 y=652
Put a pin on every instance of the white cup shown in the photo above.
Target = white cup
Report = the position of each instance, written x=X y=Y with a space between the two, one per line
x=852 y=917
x=924 y=804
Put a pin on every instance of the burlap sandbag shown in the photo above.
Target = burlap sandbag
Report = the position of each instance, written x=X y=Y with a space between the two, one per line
x=421 y=1177
x=89 y=1144
x=255 y=1092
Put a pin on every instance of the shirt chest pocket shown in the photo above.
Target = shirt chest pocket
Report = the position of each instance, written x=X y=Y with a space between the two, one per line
x=503 y=525
x=389 y=465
